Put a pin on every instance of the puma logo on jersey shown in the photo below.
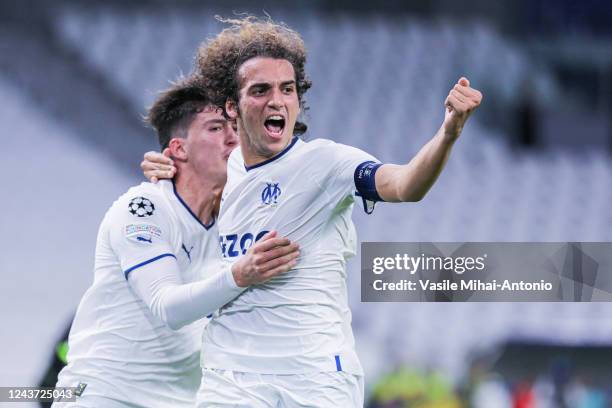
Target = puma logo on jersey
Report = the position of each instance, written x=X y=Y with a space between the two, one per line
x=187 y=252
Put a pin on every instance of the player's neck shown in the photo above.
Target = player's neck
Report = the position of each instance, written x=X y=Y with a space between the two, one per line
x=253 y=157
x=199 y=194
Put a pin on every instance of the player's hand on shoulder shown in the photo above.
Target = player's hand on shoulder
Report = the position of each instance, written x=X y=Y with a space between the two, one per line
x=157 y=166
x=461 y=101
x=267 y=258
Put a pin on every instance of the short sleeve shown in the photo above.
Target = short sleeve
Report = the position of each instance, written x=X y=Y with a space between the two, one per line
x=139 y=231
x=352 y=173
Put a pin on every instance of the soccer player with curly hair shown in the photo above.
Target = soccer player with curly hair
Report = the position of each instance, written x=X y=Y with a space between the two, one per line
x=288 y=342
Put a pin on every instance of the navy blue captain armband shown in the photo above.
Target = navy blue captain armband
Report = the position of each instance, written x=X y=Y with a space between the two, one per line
x=365 y=182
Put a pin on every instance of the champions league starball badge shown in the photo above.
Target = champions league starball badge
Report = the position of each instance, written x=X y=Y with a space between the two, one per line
x=141 y=207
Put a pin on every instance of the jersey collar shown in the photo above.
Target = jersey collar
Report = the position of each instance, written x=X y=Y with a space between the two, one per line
x=278 y=156
x=207 y=227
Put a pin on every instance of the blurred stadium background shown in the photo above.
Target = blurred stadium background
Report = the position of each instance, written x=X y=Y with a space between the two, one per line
x=534 y=164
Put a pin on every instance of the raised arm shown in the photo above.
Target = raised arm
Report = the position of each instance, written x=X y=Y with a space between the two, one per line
x=410 y=182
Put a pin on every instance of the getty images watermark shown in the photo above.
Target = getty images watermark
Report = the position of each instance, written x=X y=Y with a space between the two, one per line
x=451 y=272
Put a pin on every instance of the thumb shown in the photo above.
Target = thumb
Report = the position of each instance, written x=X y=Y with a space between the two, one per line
x=463 y=81
x=269 y=235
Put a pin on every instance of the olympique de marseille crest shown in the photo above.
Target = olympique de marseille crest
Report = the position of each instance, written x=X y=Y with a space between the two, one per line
x=270 y=193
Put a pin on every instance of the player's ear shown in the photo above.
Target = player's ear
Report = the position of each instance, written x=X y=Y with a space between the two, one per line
x=231 y=108
x=177 y=148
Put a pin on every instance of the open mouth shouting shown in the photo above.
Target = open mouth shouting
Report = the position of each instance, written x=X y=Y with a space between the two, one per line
x=275 y=124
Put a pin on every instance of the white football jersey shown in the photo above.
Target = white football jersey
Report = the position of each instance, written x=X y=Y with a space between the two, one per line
x=298 y=322
x=115 y=340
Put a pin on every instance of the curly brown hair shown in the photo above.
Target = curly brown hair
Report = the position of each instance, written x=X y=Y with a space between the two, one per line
x=219 y=59
x=175 y=108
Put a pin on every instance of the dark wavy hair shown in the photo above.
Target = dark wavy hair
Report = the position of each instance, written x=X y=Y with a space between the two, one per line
x=219 y=59
x=175 y=108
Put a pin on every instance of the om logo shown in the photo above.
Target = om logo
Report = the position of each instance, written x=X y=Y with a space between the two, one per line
x=270 y=193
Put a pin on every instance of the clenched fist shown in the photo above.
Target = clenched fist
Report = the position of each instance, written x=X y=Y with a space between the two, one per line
x=460 y=103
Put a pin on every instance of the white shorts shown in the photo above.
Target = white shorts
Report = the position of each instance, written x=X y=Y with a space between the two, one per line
x=224 y=388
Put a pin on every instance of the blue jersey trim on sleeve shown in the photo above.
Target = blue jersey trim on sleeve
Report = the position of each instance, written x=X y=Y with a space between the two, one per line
x=338 y=365
x=127 y=272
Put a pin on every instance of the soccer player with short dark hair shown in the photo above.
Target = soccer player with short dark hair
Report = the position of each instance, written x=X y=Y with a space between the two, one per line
x=136 y=337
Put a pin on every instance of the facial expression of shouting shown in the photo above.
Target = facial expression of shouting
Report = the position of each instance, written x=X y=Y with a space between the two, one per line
x=268 y=107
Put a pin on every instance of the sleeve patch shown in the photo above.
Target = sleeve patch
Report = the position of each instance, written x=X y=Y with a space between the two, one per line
x=141 y=207
x=142 y=232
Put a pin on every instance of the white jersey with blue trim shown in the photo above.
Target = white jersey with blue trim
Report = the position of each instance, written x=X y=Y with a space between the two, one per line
x=115 y=339
x=298 y=322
